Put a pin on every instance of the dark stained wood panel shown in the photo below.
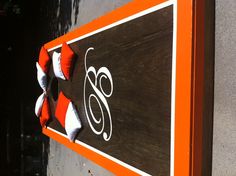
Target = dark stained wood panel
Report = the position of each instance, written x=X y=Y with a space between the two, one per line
x=138 y=55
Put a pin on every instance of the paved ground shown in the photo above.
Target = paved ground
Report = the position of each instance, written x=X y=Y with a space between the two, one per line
x=63 y=161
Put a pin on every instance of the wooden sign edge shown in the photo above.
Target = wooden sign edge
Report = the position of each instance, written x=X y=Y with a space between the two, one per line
x=181 y=136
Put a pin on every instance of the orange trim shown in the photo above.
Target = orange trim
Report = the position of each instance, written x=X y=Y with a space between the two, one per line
x=183 y=88
x=99 y=159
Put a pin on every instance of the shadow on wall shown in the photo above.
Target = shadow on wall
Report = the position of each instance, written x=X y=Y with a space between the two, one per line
x=60 y=20
x=76 y=8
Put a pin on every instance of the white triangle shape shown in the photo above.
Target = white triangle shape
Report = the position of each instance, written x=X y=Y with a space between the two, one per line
x=42 y=77
x=72 y=122
x=56 y=61
x=39 y=104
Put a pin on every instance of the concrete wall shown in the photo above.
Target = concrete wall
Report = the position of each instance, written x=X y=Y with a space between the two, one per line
x=224 y=140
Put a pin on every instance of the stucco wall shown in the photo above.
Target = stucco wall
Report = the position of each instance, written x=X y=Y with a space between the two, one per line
x=224 y=140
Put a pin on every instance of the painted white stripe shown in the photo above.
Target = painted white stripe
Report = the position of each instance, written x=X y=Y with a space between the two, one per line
x=173 y=81
x=173 y=88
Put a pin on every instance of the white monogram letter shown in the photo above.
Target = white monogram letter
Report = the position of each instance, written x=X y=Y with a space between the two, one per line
x=100 y=96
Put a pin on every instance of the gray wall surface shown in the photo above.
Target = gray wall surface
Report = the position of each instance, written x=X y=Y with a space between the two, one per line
x=224 y=140
x=61 y=160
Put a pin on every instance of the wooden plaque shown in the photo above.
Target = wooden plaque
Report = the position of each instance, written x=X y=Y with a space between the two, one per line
x=134 y=86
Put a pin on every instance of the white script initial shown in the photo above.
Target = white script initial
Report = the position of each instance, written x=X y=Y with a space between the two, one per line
x=98 y=94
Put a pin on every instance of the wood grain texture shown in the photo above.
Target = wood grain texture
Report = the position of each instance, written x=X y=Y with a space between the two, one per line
x=139 y=56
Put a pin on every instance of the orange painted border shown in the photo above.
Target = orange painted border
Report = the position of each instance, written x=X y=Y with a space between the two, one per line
x=185 y=111
x=183 y=89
